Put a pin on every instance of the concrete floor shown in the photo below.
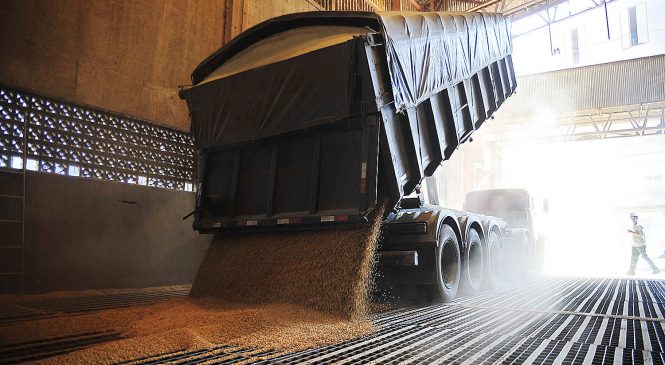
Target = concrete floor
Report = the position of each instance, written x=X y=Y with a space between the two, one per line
x=545 y=320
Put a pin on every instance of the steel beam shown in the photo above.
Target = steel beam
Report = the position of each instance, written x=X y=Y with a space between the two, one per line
x=373 y=5
x=416 y=5
x=604 y=123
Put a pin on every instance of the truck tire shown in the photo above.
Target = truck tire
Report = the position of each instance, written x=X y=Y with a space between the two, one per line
x=472 y=264
x=493 y=261
x=448 y=266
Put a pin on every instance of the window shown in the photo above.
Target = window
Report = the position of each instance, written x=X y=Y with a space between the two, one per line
x=575 y=45
x=632 y=20
x=634 y=26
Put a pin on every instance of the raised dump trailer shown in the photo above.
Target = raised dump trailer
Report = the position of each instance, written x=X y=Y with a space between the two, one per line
x=305 y=120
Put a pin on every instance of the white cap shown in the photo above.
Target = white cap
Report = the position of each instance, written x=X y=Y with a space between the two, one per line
x=633 y=215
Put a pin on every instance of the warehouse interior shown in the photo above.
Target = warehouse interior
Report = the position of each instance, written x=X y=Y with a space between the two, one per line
x=509 y=154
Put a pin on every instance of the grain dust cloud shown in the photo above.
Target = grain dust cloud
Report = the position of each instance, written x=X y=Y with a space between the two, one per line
x=582 y=193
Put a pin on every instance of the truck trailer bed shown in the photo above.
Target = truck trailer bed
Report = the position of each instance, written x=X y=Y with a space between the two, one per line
x=347 y=104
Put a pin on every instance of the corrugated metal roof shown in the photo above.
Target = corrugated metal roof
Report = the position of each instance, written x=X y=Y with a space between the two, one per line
x=629 y=82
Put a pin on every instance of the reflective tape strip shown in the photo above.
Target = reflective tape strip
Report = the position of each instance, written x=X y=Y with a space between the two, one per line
x=252 y=223
x=283 y=221
x=363 y=177
x=335 y=218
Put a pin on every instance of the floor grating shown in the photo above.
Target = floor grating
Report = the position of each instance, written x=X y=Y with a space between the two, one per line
x=36 y=350
x=48 y=308
x=538 y=321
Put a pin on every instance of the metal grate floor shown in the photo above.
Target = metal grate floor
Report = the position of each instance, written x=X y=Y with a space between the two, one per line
x=216 y=355
x=36 y=350
x=48 y=308
x=541 y=321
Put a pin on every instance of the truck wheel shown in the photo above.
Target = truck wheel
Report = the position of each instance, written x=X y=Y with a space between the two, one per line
x=472 y=264
x=493 y=267
x=448 y=266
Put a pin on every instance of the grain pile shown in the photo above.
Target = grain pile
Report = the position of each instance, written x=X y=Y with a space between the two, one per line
x=188 y=324
x=69 y=294
x=285 y=291
x=328 y=271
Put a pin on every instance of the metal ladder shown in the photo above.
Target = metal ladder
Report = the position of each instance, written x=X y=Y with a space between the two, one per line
x=12 y=214
x=12 y=222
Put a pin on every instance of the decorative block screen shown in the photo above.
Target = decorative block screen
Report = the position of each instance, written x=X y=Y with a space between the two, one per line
x=57 y=137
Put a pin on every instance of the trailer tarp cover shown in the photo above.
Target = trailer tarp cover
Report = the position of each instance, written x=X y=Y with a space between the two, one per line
x=428 y=52
x=300 y=78
x=289 y=81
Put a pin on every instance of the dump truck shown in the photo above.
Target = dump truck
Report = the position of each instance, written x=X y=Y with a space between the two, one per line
x=305 y=121
x=517 y=208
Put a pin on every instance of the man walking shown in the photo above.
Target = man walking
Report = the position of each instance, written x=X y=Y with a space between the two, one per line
x=639 y=247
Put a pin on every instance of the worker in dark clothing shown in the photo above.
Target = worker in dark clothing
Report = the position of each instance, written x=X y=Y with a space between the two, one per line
x=639 y=247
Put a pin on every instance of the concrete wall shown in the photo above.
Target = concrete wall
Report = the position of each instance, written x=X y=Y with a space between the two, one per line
x=122 y=55
x=256 y=11
x=243 y=14
x=93 y=234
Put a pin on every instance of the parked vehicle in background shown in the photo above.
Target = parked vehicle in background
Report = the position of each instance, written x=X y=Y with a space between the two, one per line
x=517 y=208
